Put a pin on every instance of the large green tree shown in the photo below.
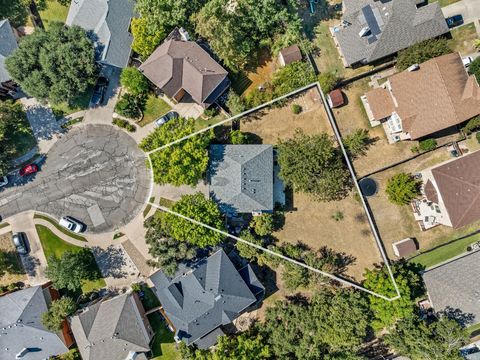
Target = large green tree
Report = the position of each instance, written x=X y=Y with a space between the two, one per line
x=58 y=311
x=421 y=52
x=145 y=37
x=312 y=164
x=357 y=142
x=56 y=65
x=16 y=11
x=402 y=188
x=184 y=163
x=134 y=81
x=71 y=269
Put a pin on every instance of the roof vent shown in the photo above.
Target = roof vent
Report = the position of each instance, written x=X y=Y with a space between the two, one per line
x=365 y=31
x=414 y=67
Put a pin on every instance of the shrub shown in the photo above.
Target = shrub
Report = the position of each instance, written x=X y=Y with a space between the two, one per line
x=238 y=138
x=357 y=142
x=472 y=125
x=296 y=109
x=211 y=112
x=262 y=225
x=136 y=287
x=477 y=135
x=128 y=106
x=422 y=52
x=124 y=124
x=402 y=188
x=338 y=216
x=134 y=81
x=428 y=144
x=327 y=81
x=58 y=311
x=235 y=103
x=474 y=68
x=415 y=149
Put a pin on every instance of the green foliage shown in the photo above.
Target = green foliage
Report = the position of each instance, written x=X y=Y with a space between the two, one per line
x=251 y=253
x=402 y=188
x=184 y=163
x=198 y=208
x=421 y=52
x=136 y=287
x=472 y=125
x=15 y=11
x=128 y=106
x=235 y=103
x=338 y=216
x=296 y=109
x=427 y=145
x=55 y=65
x=124 y=124
x=292 y=77
x=263 y=225
x=387 y=313
x=167 y=252
x=474 y=68
x=238 y=138
x=441 y=340
x=134 y=81
x=210 y=112
x=73 y=354
x=145 y=37
x=58 y=311
x=327 y=81
x=313 y=165
x=477 y=136
x=357 y=142
x=71 y=269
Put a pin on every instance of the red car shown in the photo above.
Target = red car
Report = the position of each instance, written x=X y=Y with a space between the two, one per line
x=28 y=170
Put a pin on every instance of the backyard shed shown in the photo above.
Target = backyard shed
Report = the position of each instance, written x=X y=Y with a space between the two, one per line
x=335 y=98
x=404 y=247
x=289 y=54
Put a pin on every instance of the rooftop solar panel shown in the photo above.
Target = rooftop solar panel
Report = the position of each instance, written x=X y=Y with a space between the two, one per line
x=371 y=20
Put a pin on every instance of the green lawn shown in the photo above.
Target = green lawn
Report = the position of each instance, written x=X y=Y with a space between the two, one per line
x=474 y=330
x=53 y=245
x=23 y=141
x=60 y=228
x=462 y=39
x=154 y=108
x=329 y=58
x=79 y=103
x=163 y=345
x=445 y=252
x=53 y=12
x=148 y=207
x=443 y=3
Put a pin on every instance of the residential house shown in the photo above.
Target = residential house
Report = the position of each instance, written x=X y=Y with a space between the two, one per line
x=426 y=99
x=454 y=285
x=182 y=69
x=450 y=193
x=8 y=44
x=241 y=178
x=375 y=29
x=108 y=24
x=23 y=335
x=202 y=298
x=113 y=329
x=289 y=55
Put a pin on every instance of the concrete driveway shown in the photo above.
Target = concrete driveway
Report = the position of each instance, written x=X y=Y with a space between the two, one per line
x=469 y=9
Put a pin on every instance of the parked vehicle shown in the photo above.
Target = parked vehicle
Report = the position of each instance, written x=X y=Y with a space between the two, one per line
x=28 y=170
x=166 y=118
x=3 y=181
x=99 y=91
x=71 y=224
x=467 y=60
x=455 y=20
x=20 y=242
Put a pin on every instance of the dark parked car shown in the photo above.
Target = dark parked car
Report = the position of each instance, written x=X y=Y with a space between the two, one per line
x=99 y=91
x=165 y=118
x=20 y=242
x=28 y=170
x=454 y=20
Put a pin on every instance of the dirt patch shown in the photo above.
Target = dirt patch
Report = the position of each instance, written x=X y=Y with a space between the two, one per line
x=15 y=272
x=263 y=73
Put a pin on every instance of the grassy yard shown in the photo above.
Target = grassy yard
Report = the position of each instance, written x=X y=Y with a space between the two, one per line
x=202 y=123
x=23 y=140
x=60 y=228
x=14 y=268
x=53 y=12
x=53 y=245
x=154 y=108
x=462 y=39
x=148 y=207
x=163 y=345
x=79 y=103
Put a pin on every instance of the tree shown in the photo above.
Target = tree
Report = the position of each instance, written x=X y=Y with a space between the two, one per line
x=15 y=11
x=327 y=81
x=387 y=313
x=421 y=52
x=292 y=77
x=238 y=138
x=145 y=37
x=134 y=81
x=472 y=125
x=402 y=188
x=184 y=163
x=55 y=65
x=129 y=106
x=198 y=208
x=167 y=252
x=59 y=310
x=357 y=142
x=474 y=68
x=252 y=253
x=235 y=103
x=263 y=225
x=71 y=269
x=427 y=145
x=441 y=340
x=313 y=165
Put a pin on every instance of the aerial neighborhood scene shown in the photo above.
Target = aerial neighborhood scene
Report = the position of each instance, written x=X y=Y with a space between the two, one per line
x=239 y=179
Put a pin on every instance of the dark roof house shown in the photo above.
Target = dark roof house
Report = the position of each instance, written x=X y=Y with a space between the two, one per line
x=199 y=299
x=113 y=329
x=241 y=178
x=8 y=44
x=179 y=67
x=23 y=335
x=373 y=29
x=289 y=55
x=108 y=23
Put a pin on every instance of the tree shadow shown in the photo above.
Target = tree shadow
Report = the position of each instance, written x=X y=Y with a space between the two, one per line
x=111 y=261
x=464 y=319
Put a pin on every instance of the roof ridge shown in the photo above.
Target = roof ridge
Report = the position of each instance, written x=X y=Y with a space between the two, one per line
x=435 y=61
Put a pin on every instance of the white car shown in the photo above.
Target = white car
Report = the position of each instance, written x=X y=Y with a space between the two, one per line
x=3 y=181
x=467 y=61
x=71 y=224
x=165 y=118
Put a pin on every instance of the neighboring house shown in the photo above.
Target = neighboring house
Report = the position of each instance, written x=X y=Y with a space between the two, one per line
x=179 y=67
x=199 y=299
x=113 y=329
x=451 y=193
x=8 y=44
x=289 y=55
x=428 y=98
x=372 y=29
x=22 y=334
x=241 y=178
x=454 y=285
x=108 y=24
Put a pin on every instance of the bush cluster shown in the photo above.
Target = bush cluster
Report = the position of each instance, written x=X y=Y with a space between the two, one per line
x=124 y=124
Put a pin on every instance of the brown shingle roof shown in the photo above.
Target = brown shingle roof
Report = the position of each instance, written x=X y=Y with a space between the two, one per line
x=380 y=102
x=405 y=247
x=458 y=182
x=291 y=54
x=336 y=97
x=431 y=192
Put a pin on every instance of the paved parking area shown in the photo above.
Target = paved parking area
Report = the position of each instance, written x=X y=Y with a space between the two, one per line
x=95 y=173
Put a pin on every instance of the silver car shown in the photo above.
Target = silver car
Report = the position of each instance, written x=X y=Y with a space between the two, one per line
x=20 y=242
x=71 y=224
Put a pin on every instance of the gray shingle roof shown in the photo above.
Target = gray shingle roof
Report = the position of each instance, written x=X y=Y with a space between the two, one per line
x=8 y=44
x=394 y=25
x=109 y=21
x=21 y=327
x=456 y=285
x=200 y=298
x=110 y=329
x=241 y=177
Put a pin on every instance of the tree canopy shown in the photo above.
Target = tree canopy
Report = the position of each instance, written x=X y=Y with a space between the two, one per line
x=15 y=11
x=357 y=142
x=55 y=65
x=58 y=311
x=474 y=68
x=314 y=165
x=263 y=225
x=292 y=77
x=134 y=81
x=184 y=163
x=421 y=52
x=327 y=81
x=402 y=188
x=145 y=37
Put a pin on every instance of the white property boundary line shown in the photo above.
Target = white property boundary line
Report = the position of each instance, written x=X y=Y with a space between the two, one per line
x=296 y=262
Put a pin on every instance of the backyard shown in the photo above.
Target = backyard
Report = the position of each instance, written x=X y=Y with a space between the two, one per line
x=462 y=39
x=53 y=12
x=15 y=272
